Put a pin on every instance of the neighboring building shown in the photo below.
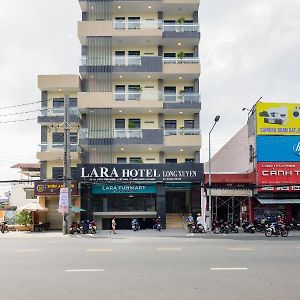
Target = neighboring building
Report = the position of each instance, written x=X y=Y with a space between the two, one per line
x=138 y=108
x=270 y=146
x=22 y=193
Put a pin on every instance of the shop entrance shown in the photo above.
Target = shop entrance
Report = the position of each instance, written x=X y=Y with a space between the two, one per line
x=176 y=202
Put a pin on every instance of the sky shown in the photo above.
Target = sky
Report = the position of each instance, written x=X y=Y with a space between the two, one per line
x=249 y=49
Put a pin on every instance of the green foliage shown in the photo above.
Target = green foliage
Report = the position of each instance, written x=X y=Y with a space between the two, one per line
x=181 y=55
x=181 y=20
x=24 y=218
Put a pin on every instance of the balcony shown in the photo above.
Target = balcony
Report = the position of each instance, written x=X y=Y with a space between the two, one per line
x=181 y=31
x=121 y=64
x=62 y=83
x=181 y=101
x=121 y=137
x=55 y=152
x=118 y=29
x=185 y=65
x=188 y=138
x=56 y=115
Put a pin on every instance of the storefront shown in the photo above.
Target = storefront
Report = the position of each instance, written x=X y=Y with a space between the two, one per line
x=48 y=195
x=143 y=191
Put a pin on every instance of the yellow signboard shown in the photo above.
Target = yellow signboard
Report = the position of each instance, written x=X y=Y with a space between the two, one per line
x=278 y=118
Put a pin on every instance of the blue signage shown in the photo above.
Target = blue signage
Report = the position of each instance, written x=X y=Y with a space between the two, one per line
x=278 y=148
x=104 y=189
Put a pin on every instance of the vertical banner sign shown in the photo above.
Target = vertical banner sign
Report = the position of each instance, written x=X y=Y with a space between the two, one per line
x=63 y=200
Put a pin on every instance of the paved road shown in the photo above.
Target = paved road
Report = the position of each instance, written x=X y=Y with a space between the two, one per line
x=148 y=265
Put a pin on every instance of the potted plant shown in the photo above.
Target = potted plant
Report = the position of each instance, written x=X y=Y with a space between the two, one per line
x=180 y=21
x=131 y=126
x=180 y=55
x=181 y=95
x=139 y=91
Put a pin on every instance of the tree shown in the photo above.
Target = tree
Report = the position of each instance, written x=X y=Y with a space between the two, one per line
x=24 y=218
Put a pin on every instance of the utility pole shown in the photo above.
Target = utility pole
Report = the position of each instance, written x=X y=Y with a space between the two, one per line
x=67 y=162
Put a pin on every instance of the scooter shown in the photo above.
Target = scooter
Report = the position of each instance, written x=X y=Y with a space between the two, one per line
x=135 y=225
x=272 y=230
x=3 y=227
x=92 y=227
x=248 y=227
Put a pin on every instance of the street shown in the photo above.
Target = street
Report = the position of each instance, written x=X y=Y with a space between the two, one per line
x=139 y=266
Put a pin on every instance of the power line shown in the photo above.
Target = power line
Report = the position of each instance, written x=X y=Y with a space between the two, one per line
x=25 y=112
x=24 y=104
x=14 y=121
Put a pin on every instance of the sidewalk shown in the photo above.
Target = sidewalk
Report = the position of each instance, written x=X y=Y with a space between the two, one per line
x=121 y=234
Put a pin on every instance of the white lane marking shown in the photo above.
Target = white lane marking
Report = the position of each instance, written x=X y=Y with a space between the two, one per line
x=169 y=249
x=26 y=250
x=239 y=249
x=99 y=250
x=85 y=270
x=228 y=269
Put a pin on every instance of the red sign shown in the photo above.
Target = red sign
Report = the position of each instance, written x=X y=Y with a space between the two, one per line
x=278 y=177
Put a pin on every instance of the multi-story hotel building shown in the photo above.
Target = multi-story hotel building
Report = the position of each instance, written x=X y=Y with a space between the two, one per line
x=136 y=104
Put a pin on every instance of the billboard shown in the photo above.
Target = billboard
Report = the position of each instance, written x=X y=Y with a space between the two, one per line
x=278 y=177
x=190 y=172
x=278 y=148
x=278 y=118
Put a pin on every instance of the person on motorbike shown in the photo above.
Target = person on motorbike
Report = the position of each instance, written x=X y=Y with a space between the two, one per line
x=279 y=224
x=156 y=222
x=200 y=221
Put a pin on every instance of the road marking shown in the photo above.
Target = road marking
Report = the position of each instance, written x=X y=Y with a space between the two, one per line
x=239 y=249
x=26 y=250
x=99 y=250
x=85 y=270
x=191 y=234
x=169 y=249
x=228 y=269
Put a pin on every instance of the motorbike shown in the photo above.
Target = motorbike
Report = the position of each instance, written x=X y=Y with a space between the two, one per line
x=293 y=225
x=224 y=228
x=233 y=228
x=84 y=228
x=92 y=227
x=273 y=230
x=3 y=227
x=198 y=228
x=248 y=227
x=135 y=225
x=74 y=228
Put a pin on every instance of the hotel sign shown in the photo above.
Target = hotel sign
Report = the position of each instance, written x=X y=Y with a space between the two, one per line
x=52 y=188
x=191 y=172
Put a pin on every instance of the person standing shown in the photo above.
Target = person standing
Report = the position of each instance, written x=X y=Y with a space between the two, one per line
x=113 y=225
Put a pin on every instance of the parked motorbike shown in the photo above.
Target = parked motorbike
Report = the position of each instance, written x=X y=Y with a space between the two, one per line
x=74 y=228
x=233 y=228
x=92 y=227
x=224 y=228
x=3 y=227
x=198 y=228
x=293 y=225
x=248 y=227
x=85 y=226
x=135 y=225
x=273 y=230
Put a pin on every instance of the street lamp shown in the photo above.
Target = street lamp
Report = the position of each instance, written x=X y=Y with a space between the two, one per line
x=217 y=118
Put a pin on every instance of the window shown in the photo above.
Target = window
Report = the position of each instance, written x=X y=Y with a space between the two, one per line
x=170 y=127
x=189 y=160
x=58 y=105
x=120 y=123
x=134 y=123
x=121 y=160
x=30 y=194
x=189 y=124
x=171 y=160
x=134 y=92
x=58 y=172
x=120 y=92
x=136 y=160
x=170 y=93
x=134 y=23
x=120 y=58
x=119 y=22
x=58 y=139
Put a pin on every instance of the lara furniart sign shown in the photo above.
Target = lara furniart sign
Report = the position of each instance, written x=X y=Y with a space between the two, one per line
x=191 y=172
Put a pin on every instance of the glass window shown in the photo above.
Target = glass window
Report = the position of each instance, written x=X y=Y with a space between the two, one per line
x=171 y=160
x=134 y=123
x=134 y=23
x=189 y=160
x=121 y=160
x=120 y=123
x=57 y=172
x=136 y=160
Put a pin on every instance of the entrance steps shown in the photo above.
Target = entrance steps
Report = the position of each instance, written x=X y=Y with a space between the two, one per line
x=174 y=221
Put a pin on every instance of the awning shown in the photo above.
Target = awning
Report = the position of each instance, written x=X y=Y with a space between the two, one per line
x=278 y=201
x=231 y=192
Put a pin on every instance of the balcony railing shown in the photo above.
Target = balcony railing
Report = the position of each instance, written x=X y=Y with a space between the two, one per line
x=181 y=131
x=178 y=60
x=112 y=61
x=56 y=147
x=128 y=134
x=144 y=96
x=150 y=24
x=181 y=97
x=58 y=111
x=181 y=27
x=155 y=24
